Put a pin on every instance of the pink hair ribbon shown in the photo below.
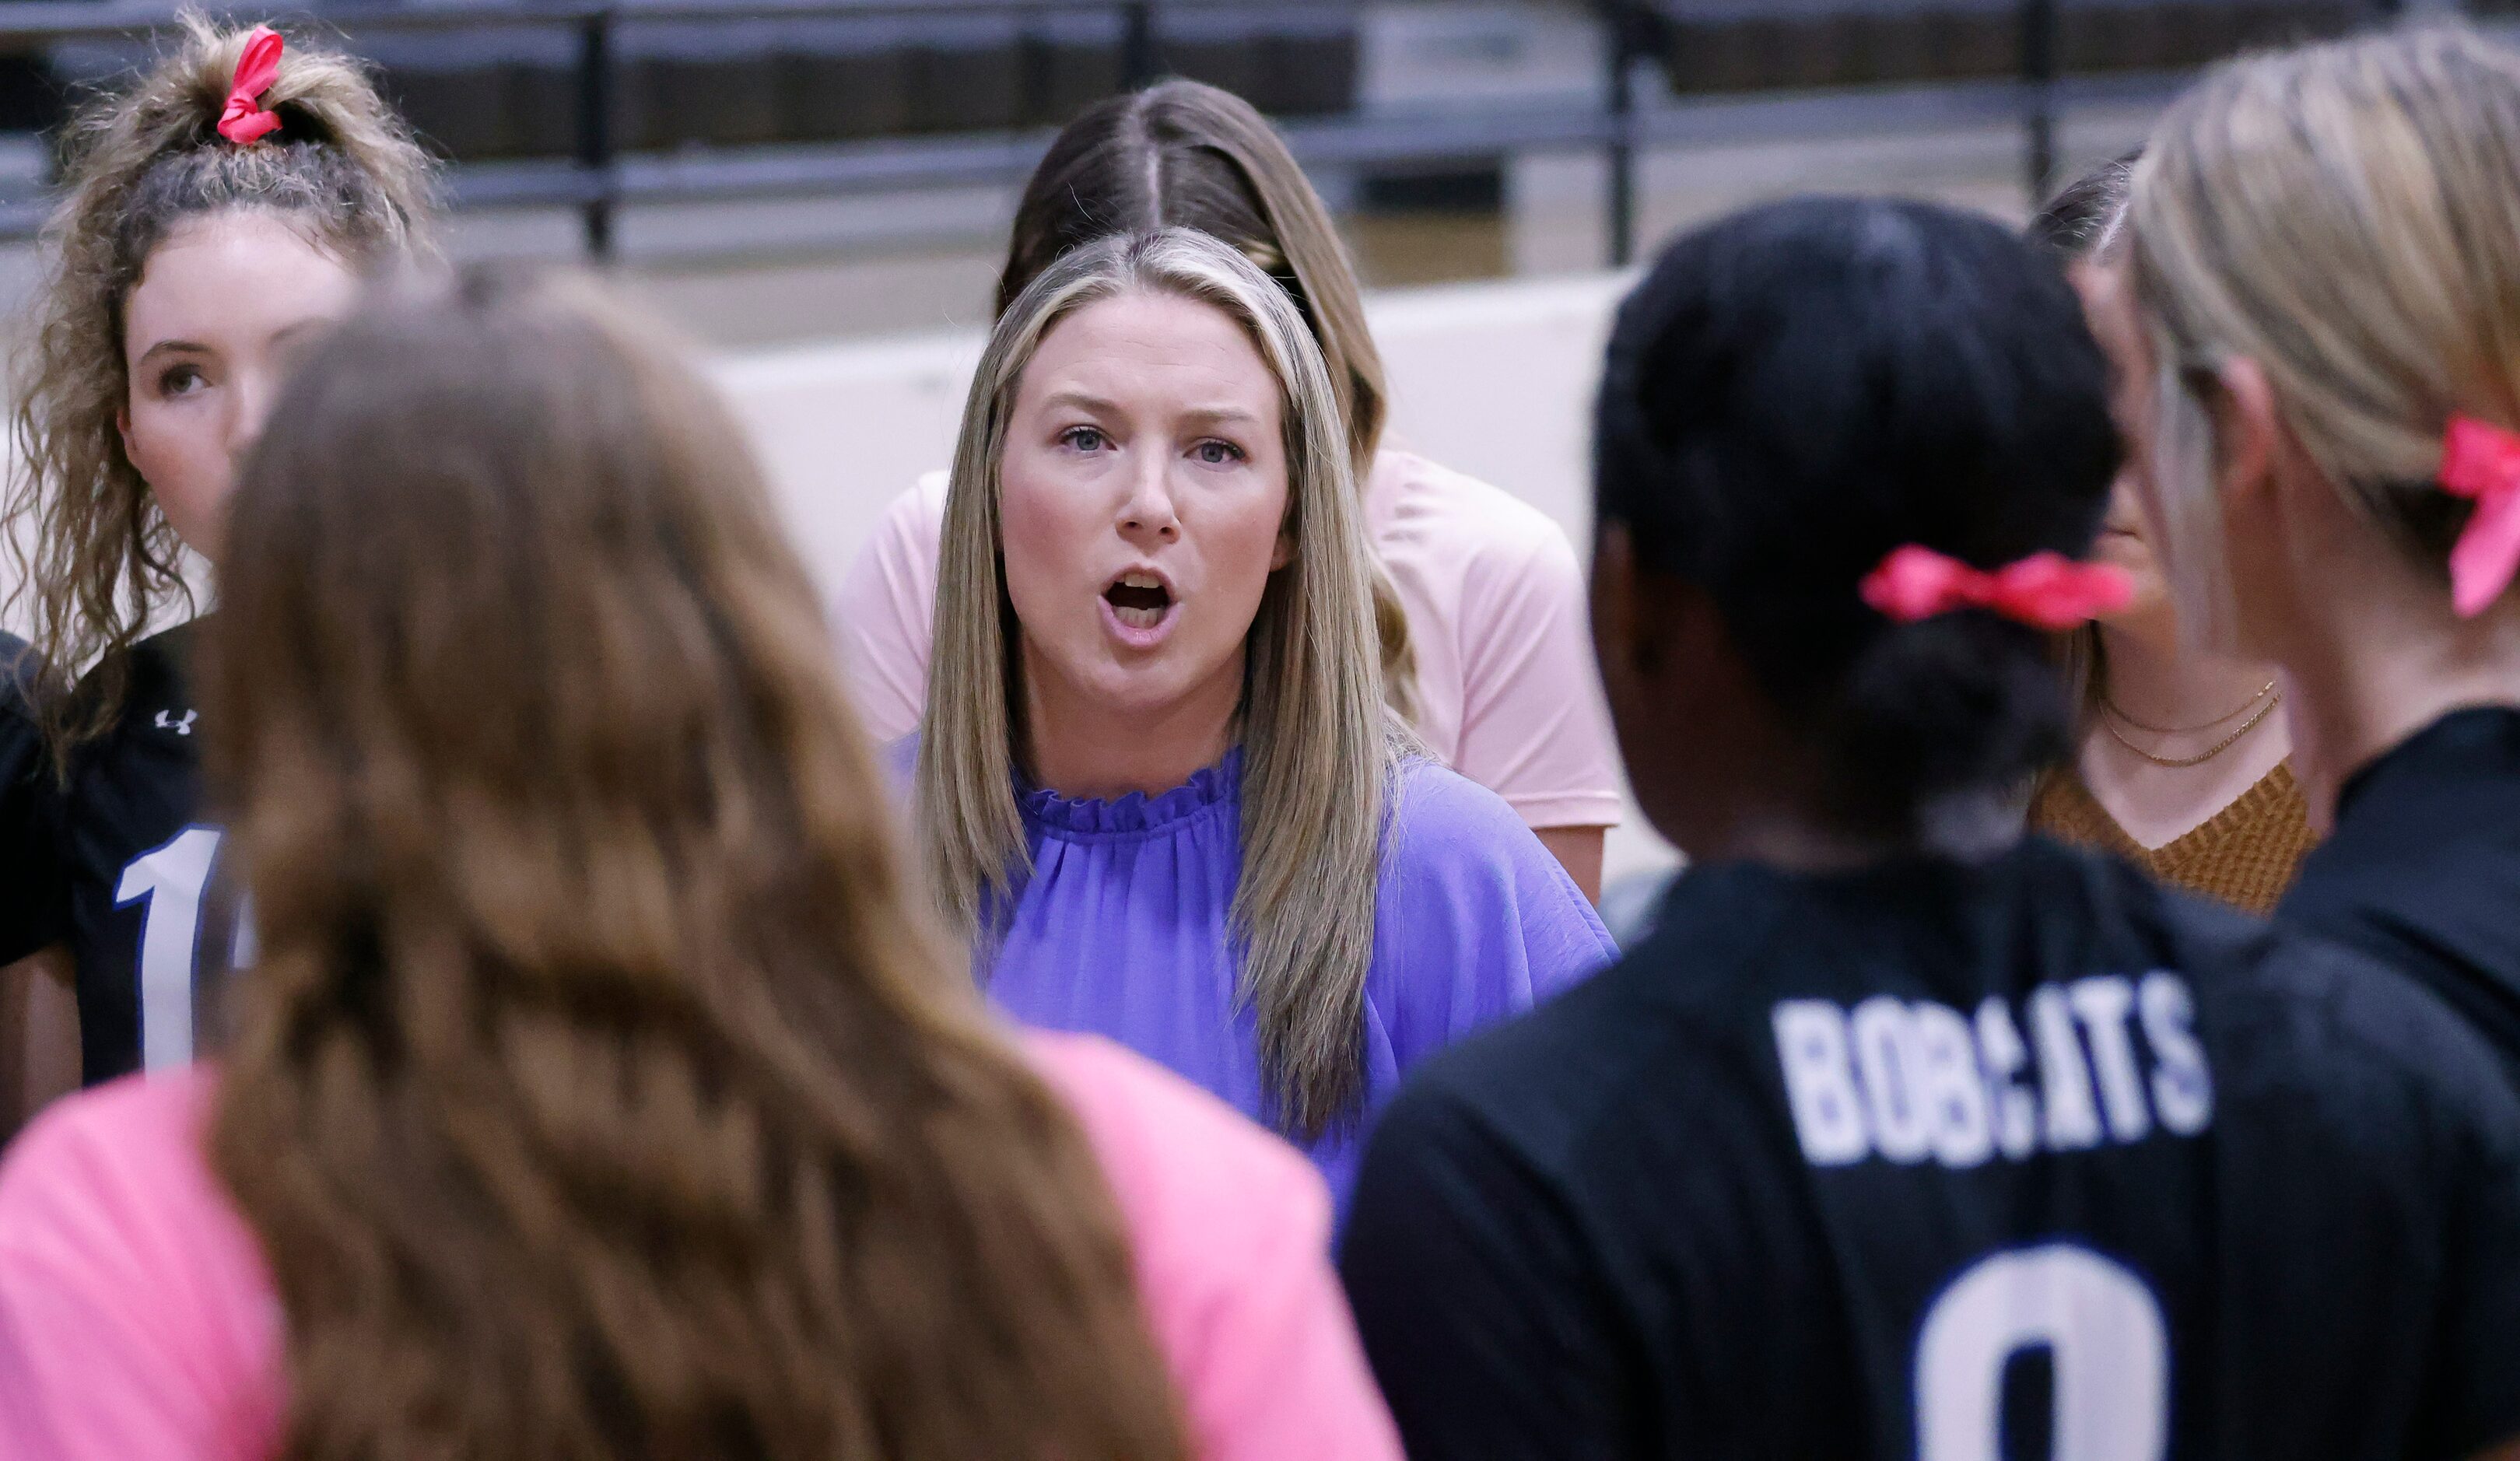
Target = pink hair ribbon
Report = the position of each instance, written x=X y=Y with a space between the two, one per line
x=243 y=121
x=2046 y=590
x=2481 y=462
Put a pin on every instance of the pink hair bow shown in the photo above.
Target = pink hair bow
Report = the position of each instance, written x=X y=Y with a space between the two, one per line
x=243 y=121
x=2481 y=462
x=2046 y=590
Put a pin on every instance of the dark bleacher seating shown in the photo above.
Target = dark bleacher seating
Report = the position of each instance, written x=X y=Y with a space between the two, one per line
x=1222 y=48
x=456 y=87
x=683 y=84
x=1070 y=62
x=1288 y=60
x=967 y=74
x=493 y=92
x=696 y=83
x=845 y=81
x=1313 y=63
x=1752 y=45
x=542 y=92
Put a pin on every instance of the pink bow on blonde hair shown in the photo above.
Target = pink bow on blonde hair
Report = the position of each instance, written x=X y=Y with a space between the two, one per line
x=2046 y=590
x=2481 y=462
x=243 y=121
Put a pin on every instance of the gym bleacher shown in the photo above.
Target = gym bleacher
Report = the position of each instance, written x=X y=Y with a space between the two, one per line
x=489 y=83
x=1457 y=138
x=507 y=90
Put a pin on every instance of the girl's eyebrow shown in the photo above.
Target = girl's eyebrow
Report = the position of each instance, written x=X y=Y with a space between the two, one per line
x=172 y=348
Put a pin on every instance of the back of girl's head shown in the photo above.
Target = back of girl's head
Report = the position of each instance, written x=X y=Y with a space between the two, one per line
x=1799 y=389
x=595 y=1091
x=498 y=537
x=2346 y=217
x=341 y=167
x=1185 y=155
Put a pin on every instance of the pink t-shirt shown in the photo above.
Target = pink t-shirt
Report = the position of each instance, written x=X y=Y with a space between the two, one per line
x=1495 y=601
x=137 y=1321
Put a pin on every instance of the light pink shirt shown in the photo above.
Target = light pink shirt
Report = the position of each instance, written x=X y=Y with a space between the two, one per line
x=1495 y=601
x=137 y=1320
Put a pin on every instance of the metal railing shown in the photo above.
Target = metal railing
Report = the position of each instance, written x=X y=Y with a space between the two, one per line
x=599 y=178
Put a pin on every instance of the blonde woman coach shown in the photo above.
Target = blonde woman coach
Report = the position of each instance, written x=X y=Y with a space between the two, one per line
x=1157 y=783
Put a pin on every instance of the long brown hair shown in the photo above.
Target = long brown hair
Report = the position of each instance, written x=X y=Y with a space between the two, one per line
x=1186 y=155
x=96 y=559
x=598 y=1091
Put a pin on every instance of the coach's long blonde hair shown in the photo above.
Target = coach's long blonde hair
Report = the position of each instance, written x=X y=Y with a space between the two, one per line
x=2348 y=216
x=1318 y=749
x=598 y=1091
x=95 y=557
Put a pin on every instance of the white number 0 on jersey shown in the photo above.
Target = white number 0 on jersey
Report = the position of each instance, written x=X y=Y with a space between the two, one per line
x=171 y=879
x=2105 y=1337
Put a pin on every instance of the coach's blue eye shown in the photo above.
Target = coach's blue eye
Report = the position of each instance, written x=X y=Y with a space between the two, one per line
x=1084 y=438
x=1214 y=453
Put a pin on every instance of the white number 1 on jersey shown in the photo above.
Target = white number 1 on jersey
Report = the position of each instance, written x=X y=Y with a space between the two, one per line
x=171 y=879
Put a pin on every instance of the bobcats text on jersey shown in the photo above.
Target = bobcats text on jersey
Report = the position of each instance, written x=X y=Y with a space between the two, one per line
x=2107 y=1058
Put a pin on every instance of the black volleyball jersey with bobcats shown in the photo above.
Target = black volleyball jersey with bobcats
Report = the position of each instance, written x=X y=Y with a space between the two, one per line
x=130 y=886
x=2026 y=1159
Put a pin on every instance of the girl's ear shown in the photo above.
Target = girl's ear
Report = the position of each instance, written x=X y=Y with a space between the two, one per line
x=2248 y=430
x=1284 y=553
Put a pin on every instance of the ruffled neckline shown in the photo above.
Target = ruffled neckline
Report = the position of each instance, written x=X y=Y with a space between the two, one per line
x=1207 y=787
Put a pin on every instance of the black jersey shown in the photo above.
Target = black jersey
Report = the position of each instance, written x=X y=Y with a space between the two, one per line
x=129 y=885
x=2026 y=1159
x=30 y=882
x=2424 y=870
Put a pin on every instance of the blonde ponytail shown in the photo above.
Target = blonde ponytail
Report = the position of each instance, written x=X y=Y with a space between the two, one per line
x=2344 y=216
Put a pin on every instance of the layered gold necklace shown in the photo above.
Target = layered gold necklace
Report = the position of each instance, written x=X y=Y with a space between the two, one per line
x=2109 y=713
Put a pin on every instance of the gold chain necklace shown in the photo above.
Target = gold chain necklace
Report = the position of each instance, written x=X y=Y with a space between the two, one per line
x=2181 y=763
x=2112 y=708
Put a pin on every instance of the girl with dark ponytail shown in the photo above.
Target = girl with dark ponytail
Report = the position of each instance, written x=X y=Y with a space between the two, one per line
x=216 y=216
x=1767 y=475
x=1891 y=1096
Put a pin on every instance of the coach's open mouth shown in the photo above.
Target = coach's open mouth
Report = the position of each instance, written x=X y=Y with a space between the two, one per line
x=1138 y=601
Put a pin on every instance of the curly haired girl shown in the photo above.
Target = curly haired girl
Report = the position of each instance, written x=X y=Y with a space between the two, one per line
x=217 y=215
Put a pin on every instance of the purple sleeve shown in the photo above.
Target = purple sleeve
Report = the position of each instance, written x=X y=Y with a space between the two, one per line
x=1475 y=922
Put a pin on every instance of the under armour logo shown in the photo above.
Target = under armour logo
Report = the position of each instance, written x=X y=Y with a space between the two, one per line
x=183 y=727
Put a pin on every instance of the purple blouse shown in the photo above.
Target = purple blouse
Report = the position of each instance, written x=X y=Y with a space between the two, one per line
x=1121 y=930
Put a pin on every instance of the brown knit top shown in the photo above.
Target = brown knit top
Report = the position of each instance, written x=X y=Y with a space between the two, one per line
x=2244 y=855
